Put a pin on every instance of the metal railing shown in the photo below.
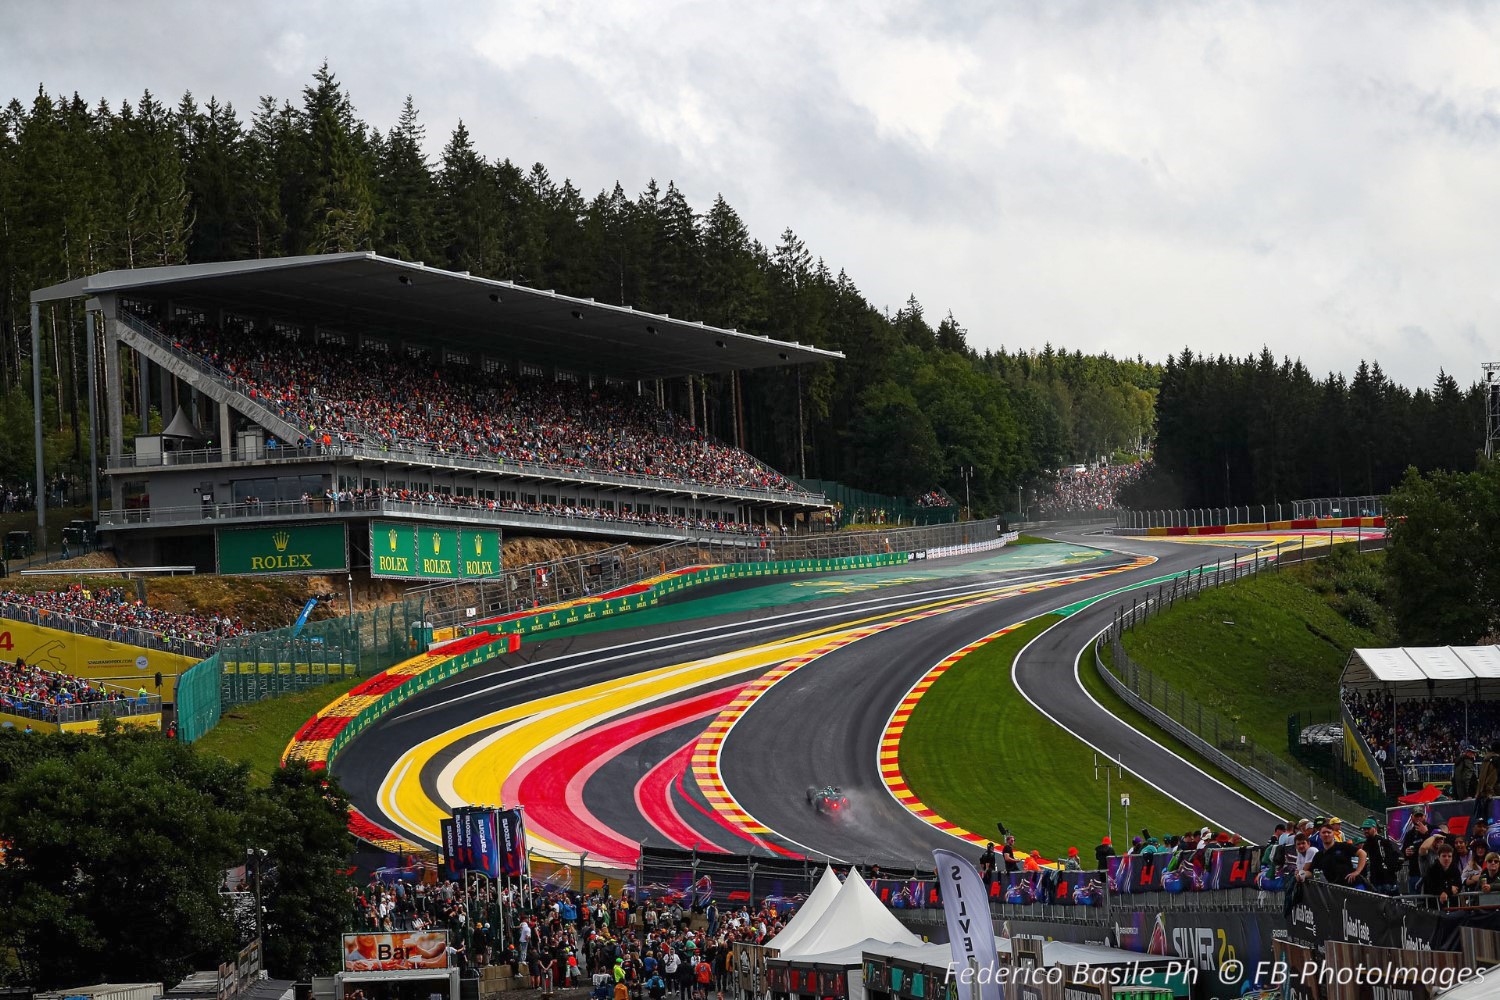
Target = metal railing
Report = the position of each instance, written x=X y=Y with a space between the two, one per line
x=63 y=622
x=1215 y=737
x=1260 y=513
x=49 y=712
x=433 y=456
x=260 y=510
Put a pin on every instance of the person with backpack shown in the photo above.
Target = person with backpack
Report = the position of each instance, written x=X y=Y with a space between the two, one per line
x=656 y=987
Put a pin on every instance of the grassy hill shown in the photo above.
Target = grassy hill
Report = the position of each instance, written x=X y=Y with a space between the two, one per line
x=1262 y=648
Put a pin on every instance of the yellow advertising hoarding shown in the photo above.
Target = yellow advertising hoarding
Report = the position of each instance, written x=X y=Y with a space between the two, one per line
x=152 y=721
x=96 y=659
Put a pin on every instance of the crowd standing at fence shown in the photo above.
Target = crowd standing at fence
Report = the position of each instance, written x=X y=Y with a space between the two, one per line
x=112 y=612
x=566 y=938
x=36 y=693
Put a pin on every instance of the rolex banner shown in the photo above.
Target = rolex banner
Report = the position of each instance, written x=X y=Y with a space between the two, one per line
x=971 y=932
x=427 y=552
x=282 y=549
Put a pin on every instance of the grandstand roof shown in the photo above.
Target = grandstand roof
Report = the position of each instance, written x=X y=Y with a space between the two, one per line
x=365 y=292
x=1417 y=665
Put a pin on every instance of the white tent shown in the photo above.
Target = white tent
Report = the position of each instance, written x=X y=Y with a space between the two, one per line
x=808 y=913
x=1423 y=671
x=854 y=917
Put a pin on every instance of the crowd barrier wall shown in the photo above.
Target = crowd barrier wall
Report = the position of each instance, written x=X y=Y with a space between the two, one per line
x=91 y=658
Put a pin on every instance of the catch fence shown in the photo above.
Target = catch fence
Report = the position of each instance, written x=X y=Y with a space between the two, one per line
x=250 y=668
x=1216 y=737
x=1258 y=513
x=524 y=588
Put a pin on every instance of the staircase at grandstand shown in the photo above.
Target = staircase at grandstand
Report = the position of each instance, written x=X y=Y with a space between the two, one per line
x=466 y=420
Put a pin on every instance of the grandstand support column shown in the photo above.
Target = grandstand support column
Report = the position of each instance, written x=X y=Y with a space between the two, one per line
x=143 y=392
x=692 y=402
x=114 y=393
x=168 y=400
x=91 y=333
x=739 y=412
x=36 y=419
x=225 y=425
x=801 y=440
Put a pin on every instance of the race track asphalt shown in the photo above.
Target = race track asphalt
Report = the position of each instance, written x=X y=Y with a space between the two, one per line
x=1044 y=674
x=823 y=723
x=554 y=666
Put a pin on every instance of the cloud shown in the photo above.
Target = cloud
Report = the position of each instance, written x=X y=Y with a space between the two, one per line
x=1132 y=177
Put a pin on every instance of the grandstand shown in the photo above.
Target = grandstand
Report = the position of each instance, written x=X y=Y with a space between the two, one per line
x=342 y=412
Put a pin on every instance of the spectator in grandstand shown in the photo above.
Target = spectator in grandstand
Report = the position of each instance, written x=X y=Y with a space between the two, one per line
x=1424 y=732
x=367 y=397
x=36 y=693
x=1103 y=852
x=110 y=614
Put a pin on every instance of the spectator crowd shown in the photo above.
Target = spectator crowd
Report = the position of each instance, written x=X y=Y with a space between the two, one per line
x=109 y=614
x=344 y=395
x=645 y=947
x=35 y=693
x=1086 y=491
x=1420 y=732
x=933 y=499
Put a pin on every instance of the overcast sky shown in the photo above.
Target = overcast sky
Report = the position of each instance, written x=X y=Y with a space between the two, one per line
x=1318 y=177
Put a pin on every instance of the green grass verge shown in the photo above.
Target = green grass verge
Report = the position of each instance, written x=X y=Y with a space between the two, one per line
x=257 y=734
x=1088 y=673
x=977 y=752
x=1254 y=651
x=1032 y=540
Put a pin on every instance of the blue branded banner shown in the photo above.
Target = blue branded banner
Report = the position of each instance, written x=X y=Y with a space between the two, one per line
x=511 y=830
x=312 y=602
x=486 y=847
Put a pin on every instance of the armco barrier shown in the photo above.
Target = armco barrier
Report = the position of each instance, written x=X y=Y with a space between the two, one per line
x=652 y=595
x=1299 y=524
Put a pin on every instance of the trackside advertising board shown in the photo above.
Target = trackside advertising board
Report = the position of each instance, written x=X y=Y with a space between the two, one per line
x=282 y=549
x=389 y=951
x=423 y=552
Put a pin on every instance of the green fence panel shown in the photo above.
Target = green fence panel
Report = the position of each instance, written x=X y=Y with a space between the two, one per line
x=199 y=699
